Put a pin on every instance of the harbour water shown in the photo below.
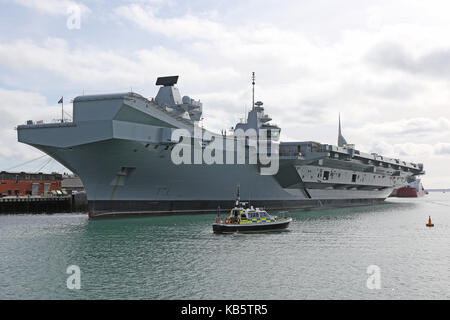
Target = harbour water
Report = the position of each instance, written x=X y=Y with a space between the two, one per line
x=324 y=255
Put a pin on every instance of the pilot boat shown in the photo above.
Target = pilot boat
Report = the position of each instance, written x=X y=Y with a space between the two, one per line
x=242 y=219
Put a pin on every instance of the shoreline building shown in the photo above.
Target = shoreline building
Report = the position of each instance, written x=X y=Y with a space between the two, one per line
x=28 y=184
x=72 y=184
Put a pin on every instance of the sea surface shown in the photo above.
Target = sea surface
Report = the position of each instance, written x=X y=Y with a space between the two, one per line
x=325 y=254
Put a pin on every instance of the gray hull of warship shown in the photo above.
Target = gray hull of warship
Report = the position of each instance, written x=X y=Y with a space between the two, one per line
x=120 y=146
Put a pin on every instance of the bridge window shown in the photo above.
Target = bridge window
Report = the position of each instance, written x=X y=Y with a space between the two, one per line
x=353 y=177
x=326 y=175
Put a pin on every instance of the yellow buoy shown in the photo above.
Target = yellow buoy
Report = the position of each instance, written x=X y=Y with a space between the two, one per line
x=429 y=224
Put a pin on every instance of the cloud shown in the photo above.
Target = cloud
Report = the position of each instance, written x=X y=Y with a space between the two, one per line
x=18 y=106
x=406 y=127
x=414 y=139
x=185 y=28
x=387 y=76
x=442 y=149
x=412 y=150
x=104 y=69
x=396 y=57
x=52 y=7
x=55 y=56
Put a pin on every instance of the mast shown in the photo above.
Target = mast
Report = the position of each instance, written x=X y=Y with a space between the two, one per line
x=339 y=133
x=62 y=109
x=341 y=140
x=253 y=90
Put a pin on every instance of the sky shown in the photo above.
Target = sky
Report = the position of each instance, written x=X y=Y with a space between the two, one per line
x=383 y=65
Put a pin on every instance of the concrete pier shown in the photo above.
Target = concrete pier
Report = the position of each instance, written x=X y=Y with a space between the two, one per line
x=36 y=205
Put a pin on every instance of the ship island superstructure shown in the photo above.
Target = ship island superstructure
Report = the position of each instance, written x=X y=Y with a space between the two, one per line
x=120 y=146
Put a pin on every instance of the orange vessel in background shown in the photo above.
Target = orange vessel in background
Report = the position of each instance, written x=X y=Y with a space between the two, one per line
x=413 y=190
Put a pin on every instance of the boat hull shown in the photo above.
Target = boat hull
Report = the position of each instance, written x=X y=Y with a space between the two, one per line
x=113 y=208
x=251 y=227
x=409 y=193
x=122 y=147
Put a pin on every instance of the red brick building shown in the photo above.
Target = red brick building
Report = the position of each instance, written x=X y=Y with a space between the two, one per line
x=22 y=183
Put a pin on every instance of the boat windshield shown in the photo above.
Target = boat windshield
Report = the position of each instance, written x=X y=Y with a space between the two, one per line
x=257 y=214
x=253 y=214
x=263 y=214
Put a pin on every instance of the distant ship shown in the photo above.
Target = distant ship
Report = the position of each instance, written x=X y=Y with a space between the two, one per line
x=120 y=146
x=414 y=189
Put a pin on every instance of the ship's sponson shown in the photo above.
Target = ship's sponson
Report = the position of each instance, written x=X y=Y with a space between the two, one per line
x=120 y=146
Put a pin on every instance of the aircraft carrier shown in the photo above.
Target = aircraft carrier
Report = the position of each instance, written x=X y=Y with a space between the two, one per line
x=121 y=145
